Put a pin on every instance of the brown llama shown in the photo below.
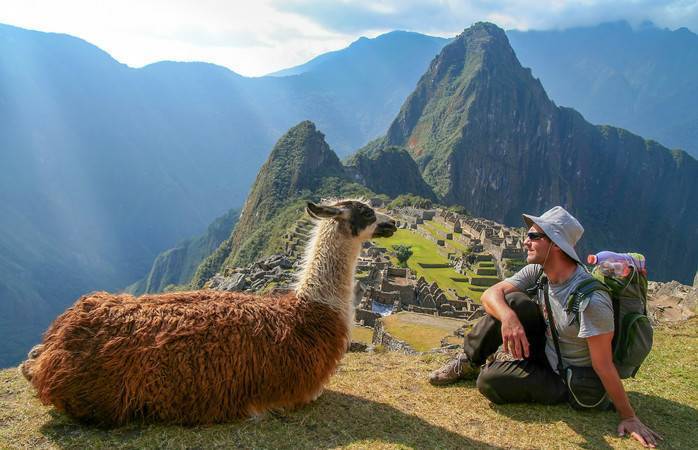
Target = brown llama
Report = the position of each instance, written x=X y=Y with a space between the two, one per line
x=209 y=356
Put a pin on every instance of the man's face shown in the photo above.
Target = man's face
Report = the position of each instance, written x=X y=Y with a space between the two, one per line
x=537 y=245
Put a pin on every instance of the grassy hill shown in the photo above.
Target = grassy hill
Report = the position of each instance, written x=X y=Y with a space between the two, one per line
x=382 y=400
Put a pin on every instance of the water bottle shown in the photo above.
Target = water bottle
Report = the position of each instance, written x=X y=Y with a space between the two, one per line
x=618 y=264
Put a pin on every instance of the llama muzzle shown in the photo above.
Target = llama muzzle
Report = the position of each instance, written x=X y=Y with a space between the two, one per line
x=385 y=228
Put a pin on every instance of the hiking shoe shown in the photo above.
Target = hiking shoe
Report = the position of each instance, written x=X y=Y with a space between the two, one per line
x=459 y=368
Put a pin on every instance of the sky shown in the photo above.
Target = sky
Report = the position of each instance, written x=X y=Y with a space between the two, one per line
x=257 y=37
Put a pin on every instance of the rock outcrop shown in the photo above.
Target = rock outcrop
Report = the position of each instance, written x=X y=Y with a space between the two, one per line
x=274 y=272
x=672 y=301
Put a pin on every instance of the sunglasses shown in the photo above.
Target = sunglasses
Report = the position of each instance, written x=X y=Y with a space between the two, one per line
x=535 y=236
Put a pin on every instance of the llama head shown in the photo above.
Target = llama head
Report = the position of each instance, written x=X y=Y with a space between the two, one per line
x=354 y=218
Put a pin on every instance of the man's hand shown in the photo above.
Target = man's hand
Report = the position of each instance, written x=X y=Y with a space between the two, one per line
x=638 y=431
x=514 y=337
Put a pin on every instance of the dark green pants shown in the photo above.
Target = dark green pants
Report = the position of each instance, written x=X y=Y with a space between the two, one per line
x=531 y=380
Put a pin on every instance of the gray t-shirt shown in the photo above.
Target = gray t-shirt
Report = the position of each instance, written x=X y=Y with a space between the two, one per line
x=595 y=316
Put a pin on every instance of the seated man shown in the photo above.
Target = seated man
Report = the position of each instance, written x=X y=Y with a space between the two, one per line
x=520 y=324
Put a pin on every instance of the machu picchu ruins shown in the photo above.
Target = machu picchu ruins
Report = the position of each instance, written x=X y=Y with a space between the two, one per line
x=477 y=252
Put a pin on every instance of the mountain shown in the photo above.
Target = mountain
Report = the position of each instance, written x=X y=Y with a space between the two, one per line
x=301 y=167
x=353 y=94
x=103 y=167
x=390 y=171
x=176 y=266
x=644 y=79
x=393 y=52
x=486 y=136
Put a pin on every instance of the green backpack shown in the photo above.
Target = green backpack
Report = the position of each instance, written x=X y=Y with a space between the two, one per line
x=632 y=338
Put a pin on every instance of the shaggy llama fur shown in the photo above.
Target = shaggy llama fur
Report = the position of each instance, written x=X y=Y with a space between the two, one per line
x=207 y=356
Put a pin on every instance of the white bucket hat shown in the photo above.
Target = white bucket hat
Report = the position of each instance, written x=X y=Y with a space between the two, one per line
x=561 y=227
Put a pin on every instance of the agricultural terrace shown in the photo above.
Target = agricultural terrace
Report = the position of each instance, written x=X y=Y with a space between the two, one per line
x=426 y=252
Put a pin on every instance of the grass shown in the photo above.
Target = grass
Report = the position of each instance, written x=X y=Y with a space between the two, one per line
x=422 y=332
x=456 y=246
x=425 y=251
x=362 y=334
x=383 y=401
x=438 y=226
x=432 y=230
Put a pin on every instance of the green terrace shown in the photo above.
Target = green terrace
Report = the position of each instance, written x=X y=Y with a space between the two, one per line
x=452 y=246
x=511 y=266
x=426 y=253
x=362 y=334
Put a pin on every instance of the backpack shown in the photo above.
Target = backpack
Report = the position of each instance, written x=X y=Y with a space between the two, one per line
x=632 y=337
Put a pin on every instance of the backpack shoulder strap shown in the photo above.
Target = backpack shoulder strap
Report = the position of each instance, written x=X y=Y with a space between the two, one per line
x=591 y=284
x=584 y=289
x=543 y=286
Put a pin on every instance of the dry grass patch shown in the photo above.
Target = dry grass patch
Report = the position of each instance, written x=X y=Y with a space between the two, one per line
x=383 y=400
x=422 y=332
x=362 y=334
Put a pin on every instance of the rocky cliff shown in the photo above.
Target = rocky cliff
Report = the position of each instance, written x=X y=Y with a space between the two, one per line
x=486 y=136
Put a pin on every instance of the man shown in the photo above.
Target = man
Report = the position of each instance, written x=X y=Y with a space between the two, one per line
x=519 y=323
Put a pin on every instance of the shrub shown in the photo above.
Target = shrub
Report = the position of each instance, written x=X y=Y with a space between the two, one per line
x=403 y=253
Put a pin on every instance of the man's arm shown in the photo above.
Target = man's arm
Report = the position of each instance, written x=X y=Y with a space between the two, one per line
x=602 y=361
x=513 y=333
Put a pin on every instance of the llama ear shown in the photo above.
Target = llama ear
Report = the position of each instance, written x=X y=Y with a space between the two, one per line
x=322 y=212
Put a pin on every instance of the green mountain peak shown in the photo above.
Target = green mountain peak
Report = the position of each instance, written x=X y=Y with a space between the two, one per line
x=300 y=167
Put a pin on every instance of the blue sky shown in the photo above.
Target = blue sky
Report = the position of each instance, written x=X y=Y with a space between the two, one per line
x=257 y=37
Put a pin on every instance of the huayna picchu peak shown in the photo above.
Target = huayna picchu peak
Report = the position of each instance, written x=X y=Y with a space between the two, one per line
x=486 y=136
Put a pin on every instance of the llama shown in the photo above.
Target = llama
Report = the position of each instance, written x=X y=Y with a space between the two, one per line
x=209 y=356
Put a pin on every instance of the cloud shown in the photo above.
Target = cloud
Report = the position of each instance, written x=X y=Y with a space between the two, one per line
x=254 y=38
x=449 y=16
x=251 y=38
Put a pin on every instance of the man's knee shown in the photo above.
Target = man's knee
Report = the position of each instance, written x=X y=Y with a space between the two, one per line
x=523 y=306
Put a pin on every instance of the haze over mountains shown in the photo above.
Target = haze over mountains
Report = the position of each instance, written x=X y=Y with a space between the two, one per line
x=643 y=79
x=105 y=166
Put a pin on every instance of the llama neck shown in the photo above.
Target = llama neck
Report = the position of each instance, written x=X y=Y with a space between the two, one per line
x=328 y=270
